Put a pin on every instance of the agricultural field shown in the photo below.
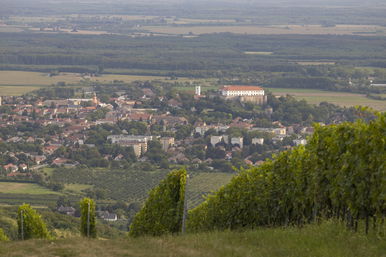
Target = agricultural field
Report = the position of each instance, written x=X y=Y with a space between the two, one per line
x=258 y=53
x=12 y=193
x=76 y=188
x=17 y=90
x=202 y=184
x=339 y=98
x=13 y=83
x=307 y=63
x=271 y=30
x=24 y=188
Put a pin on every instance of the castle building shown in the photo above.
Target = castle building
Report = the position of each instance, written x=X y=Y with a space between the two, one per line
x=252 y=94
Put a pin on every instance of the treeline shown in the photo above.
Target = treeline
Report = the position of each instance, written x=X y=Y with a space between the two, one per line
x=224 y=52
x=306 y=82
x=339 y=174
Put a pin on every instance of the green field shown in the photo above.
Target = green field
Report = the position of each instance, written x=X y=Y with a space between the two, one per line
x=76 y=188
x=314 y=96
x=202 y=184
x=24 y=188
x=326 y=240
x=15 y=83
x=17 y=90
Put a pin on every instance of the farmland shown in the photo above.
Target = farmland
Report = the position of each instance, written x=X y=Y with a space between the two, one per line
x=339 y=98
x=271 y=30
x=17 y=90
x=13 y=83
x=24 y=188
x=132 y=185
x=202 y=184
x=27 y=78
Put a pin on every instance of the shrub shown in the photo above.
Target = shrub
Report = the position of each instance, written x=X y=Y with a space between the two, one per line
x=30 y=224
x=87 y=219
x=163 y=210
x=339 y=174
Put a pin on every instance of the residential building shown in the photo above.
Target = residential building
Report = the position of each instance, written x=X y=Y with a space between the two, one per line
x=257 y=141
x=139 y=143
x=166 y=143
x=237 y=141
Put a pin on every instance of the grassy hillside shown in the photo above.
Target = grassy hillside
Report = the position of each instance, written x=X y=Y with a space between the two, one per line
x=328 y=239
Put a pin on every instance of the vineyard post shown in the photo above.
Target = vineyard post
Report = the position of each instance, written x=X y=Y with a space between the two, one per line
x=21 y=223
x=185 y=212
x=88 y=220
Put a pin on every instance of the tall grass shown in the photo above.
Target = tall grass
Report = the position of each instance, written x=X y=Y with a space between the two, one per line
x=330 y=239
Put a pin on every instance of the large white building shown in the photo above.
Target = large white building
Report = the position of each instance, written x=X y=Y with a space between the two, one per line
x=231 y=91
x=253 y=94
x=139 y=143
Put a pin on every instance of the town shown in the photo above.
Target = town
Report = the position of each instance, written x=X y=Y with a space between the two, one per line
x=36 y=132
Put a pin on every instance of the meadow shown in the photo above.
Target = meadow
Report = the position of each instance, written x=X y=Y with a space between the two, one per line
x=24 y=188
x=314 y=96
x=325 y=240
x=14 y=83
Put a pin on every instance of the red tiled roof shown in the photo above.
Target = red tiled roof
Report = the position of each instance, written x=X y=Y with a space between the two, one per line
x=240 y=88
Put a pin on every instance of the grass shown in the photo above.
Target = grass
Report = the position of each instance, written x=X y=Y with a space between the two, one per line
x=13 y=83
x=77 y=188
x=326 y=240
x=314 y=96
x=17 y=90
x=24 y=188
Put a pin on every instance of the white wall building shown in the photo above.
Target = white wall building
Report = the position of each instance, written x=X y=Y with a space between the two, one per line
x=198 y=90
x=257 y=141
x=214 y=140
x=300 y=142
x=237 y=141
x=234 y=91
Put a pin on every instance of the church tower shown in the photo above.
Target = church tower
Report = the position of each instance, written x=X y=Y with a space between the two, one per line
x=95 y=100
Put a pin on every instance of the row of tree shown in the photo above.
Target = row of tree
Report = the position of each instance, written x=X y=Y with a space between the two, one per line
x=339 y=174
x=31 y=225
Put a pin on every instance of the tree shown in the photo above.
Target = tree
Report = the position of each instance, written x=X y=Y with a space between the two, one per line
x=30 y=224
x=87 y=219
x=163 y=210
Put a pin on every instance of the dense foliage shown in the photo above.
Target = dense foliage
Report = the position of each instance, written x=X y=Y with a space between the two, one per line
x=88 y=218
x=340 y=173
x=3 y=237
x=162 y=212
x=30 y=223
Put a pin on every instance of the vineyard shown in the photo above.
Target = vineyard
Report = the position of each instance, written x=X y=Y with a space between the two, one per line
x=129 y=185
x=134 y=185
x=340 y=173
x=201 y=185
